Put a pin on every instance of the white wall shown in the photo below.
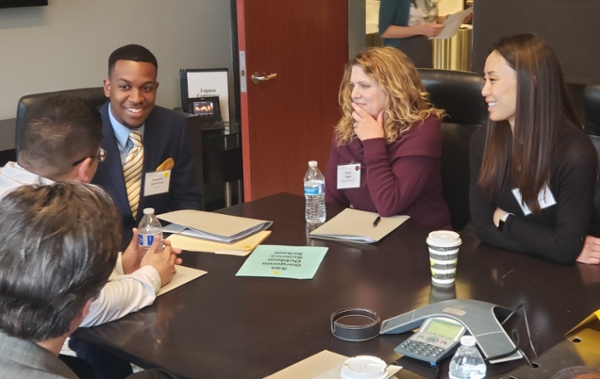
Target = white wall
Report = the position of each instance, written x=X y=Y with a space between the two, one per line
x=450 y=6
x=67 y=43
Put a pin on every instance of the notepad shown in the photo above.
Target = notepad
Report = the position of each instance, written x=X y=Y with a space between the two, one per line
x=212 y=226
x=240 y=248
x=181 y=277
x=357 y=226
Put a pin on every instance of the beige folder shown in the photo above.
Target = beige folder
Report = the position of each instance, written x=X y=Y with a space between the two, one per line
x=241 y=248
x=357 y=226
x=212 y=226
x=323 y=365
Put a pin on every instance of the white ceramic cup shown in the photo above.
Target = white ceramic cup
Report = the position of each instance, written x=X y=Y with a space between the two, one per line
x=443 y=255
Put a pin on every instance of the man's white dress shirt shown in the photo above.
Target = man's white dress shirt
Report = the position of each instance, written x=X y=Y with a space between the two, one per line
x=122 y=294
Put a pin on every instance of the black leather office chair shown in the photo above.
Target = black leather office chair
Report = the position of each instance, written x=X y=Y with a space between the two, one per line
x=459 y=94
x=94 y=95
x=591 y=109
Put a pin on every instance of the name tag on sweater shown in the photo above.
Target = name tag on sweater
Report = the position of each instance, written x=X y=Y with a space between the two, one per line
x=348 y=176
x=545 y=198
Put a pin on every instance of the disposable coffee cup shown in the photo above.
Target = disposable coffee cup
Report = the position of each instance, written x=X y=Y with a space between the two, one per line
x=364 y=367
x=443 y=255
x=442 y=292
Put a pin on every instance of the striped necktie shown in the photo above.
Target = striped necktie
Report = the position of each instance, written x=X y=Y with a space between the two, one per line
x=132 y=171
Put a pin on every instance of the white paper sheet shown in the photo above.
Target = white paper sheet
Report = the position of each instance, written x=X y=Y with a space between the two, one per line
x=181 y=277
x=452 y=24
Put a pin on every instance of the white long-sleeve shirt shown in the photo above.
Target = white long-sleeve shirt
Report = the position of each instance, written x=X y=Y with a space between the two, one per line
x=122 y=294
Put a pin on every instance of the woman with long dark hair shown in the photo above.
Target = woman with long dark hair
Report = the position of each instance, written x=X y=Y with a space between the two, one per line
x=534 y=170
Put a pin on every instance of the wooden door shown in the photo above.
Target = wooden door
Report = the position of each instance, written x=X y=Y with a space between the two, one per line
x=289 y=120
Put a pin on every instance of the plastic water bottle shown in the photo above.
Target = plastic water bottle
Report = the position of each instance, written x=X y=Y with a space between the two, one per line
x=149 y=229
x=314 y=192
x=467 y=362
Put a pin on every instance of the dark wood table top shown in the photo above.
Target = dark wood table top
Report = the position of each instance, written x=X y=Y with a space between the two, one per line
x=223 y=326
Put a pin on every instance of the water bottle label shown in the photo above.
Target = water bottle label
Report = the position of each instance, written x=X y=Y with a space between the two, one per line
x=145 y=239
x=314 y=190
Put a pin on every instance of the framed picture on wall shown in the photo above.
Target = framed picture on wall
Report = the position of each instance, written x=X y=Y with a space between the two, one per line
x=197 y=83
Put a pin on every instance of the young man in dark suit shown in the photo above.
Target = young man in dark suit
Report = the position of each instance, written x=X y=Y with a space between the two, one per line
x=143 y=142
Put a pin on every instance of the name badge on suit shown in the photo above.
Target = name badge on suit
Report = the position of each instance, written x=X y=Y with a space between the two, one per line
x=157 y=182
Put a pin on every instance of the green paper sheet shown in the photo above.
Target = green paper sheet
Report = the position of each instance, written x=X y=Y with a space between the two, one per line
x=276 y=261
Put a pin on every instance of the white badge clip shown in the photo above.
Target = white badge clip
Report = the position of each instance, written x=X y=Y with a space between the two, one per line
x=545 y=198
x=157 y=182
x=348 y=176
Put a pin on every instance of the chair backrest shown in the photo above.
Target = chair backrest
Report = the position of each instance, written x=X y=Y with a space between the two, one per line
x=591 y=108
x=596 y=142
x=459 y=94
x=93 y=95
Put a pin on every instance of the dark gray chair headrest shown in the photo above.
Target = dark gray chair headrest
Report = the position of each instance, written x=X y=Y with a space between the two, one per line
x=591 y=108
x=458 y=93
x=94 y=95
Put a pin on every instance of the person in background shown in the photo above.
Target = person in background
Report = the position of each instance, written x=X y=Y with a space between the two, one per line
x=408 y=24
x=58 y=247
x=533 y=169
x=143 y=142
x=385 y=154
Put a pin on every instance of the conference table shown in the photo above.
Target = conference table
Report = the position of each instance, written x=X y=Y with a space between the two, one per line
x=223 y=326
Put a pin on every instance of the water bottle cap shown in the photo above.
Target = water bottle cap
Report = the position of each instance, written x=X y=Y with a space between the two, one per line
x=312 y=164
x=468 y=341
x=148 y=211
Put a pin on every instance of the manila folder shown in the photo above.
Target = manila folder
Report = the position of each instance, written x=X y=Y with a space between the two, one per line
x=357 y=226
x=214 y=226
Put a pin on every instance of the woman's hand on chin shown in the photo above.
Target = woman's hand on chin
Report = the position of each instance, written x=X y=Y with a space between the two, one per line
x=365 y=126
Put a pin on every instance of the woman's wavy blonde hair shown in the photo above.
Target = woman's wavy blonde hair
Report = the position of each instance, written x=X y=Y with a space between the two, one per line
x=406 y=100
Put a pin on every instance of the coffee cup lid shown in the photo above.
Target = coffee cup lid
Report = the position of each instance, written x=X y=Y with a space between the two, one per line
x=364 y=367
x=444 y=238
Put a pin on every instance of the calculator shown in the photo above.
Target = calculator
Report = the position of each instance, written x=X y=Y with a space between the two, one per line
x=435 y=340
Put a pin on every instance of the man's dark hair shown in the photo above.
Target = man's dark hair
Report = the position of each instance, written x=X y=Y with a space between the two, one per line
x=58 y=246
x=57 y=131
x=131 y=52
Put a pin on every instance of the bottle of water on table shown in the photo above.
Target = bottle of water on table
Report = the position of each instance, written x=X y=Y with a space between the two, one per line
x=314 y=192
x=148 y=230
x=467 y=362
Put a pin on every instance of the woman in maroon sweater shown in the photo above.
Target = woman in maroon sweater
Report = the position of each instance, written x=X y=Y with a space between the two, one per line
x=388 y=143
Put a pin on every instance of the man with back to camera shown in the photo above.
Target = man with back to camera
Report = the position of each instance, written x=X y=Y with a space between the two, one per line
x=61 y=141
x=58 y=246
x=143 y=141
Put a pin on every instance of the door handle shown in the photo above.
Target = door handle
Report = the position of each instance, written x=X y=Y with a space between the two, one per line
x=257 y=78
